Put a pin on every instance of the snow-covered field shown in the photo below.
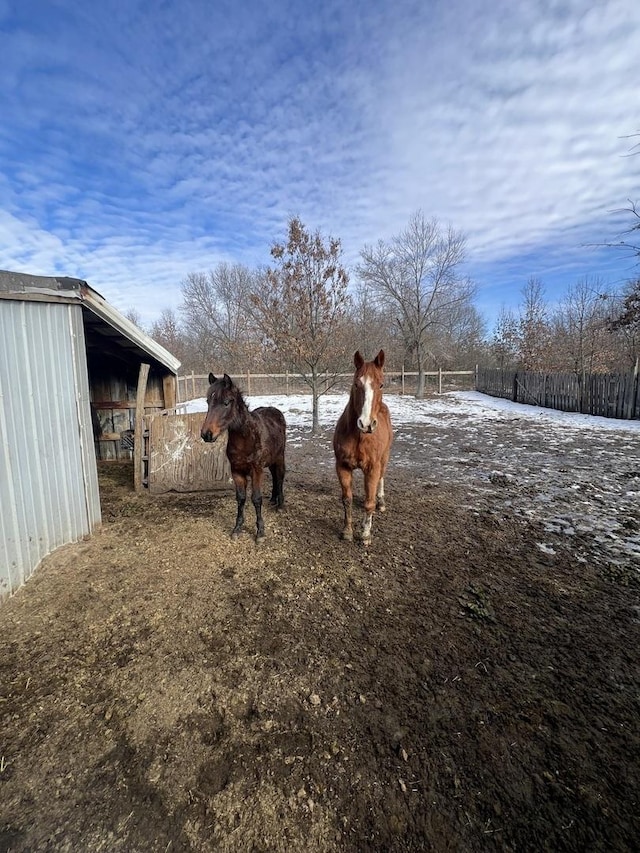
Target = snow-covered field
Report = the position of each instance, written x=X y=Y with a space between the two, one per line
x=576 y=474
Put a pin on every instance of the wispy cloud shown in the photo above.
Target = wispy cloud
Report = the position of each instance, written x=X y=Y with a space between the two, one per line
x=140 y=143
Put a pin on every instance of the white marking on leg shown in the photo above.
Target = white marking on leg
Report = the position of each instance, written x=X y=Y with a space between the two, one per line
x=364 y=421
x=366 y=528
x=380 y=495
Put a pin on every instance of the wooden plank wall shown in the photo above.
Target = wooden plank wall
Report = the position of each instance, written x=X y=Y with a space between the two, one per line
x=113 y=404
x=179 y=460
x=610 y=395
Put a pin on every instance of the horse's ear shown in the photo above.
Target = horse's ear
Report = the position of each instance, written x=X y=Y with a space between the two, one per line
x=227 y=381
x=379 y=359
x=212 y=379
x=358 y=360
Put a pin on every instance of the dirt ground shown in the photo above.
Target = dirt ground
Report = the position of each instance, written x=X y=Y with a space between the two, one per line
x=453 y=687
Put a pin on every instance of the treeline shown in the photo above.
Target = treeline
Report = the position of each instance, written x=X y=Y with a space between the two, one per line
x=305 y=314
x=591 y=330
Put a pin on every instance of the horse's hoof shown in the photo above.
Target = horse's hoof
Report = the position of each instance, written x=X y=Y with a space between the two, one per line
x=235 y=534
x=347 y=536
x=382 y=508
x=366 y=542
x=260 y=540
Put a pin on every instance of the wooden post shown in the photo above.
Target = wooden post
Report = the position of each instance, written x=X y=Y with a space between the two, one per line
x=138 y=432
x=193 y=386
x=248 y=383
x=439 y=380
x=287 y=382
x=402 y=379
x=169 y=390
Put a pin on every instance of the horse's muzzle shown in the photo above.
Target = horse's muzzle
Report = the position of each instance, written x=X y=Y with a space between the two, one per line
x=208 y=436
x=371 y=426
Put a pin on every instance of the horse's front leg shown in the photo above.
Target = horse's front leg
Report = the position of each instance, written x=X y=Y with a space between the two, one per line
x=345 y=477
x=380 y=504
x=241 y=498
x=372 y=480
x=256 y=499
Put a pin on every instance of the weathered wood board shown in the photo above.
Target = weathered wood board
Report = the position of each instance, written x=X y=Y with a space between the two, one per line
x=179 y=460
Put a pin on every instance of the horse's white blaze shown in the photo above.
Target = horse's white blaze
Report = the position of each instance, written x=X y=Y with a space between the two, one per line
x=364 y=421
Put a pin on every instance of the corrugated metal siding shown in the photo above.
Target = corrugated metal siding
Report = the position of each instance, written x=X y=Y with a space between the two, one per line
x=48 y=477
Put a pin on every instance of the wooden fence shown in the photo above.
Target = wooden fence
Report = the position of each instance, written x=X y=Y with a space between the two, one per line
x=194 y=385
x=611 y=395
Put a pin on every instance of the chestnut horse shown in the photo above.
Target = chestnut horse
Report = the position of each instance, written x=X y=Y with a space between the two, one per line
x=255 y=441
x=362 y=439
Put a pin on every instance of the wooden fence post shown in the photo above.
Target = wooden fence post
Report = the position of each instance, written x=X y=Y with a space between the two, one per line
x=138 y=432
x=403 y=378
x=440 y=380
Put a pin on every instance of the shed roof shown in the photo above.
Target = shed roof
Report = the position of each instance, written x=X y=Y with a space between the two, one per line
x=102 y=320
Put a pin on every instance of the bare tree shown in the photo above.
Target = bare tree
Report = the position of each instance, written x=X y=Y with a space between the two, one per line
x=167 y=332
x=505 y=344
x=417 y=275
x=626 y=323
x=216 y=311
x=369 y=324
x=134 y=315
x=534 y=330
x=583 y=339
x=302 y=306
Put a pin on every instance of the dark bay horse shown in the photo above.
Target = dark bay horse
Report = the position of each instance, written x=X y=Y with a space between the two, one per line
x=362 y=439
x=255 y=441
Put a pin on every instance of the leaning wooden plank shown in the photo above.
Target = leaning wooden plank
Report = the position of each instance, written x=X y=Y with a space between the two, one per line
x=138 y=437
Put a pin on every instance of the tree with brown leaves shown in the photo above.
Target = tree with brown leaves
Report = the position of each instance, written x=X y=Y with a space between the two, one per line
x=302 y=305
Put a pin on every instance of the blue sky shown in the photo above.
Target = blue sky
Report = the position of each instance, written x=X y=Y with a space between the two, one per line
x=142 y=141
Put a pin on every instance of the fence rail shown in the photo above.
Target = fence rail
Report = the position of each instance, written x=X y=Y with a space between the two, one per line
x=611 y=395
x=193 y=385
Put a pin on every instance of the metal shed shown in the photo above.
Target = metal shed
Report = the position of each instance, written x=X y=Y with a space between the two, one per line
x=74 y=374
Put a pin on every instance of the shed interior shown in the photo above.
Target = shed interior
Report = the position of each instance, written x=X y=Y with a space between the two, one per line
x=113 y=363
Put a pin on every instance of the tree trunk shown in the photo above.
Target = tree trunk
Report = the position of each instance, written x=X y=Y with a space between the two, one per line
x=315 y=394
x=421 y=378
x=315 y=424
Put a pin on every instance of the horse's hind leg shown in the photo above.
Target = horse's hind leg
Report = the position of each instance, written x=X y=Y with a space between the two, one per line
x=345 y=477
x=277 y=477
x=274 y=483
x=241 y=499
x=256 y=500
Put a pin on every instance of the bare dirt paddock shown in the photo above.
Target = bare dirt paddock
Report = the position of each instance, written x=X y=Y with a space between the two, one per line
x=471 y=683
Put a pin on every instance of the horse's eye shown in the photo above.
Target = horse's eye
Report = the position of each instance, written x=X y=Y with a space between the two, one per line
x=227 y=402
